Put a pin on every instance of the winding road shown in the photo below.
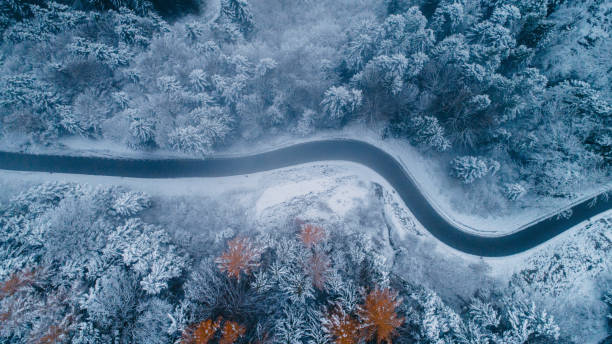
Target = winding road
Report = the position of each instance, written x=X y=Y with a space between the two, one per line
x=347 y=150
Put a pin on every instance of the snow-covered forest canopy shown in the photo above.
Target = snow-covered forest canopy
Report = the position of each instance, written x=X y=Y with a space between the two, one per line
x=144 y=271
x=514 y=92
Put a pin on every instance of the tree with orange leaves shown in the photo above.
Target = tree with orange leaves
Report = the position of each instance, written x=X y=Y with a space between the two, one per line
x=318 y=266
x=205 y=331
x=52 y=334
x=342 y=327
x=378 y=316
x=240 y=257
x=312 y=235
x=16 y=282
x=55 y=334
x=231 y=332
x=202 y=333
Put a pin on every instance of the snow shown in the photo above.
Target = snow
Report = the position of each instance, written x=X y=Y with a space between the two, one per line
x=285 y=192
x=325 y=182
x=444 y=194
x=329 y=193
x=340 y=199
x=338 y=180
x=336 y=187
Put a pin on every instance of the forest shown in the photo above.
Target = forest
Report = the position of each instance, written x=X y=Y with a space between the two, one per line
x=510 y=97
x=135 y=276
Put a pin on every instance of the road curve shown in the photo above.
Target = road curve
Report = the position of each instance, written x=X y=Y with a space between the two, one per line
x=325 y=150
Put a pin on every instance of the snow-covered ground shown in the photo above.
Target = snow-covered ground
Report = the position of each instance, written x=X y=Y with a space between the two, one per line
x=336 y=188
x=445 y=194
x=442 y=192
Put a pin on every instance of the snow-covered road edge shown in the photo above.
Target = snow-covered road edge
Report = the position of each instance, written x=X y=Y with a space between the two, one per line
x=415 y=165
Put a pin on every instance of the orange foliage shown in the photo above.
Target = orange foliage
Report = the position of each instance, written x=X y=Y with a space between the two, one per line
x=231 y=332
x=16 y=282
x=240 y=256
x=342 y=327
x=318 y=266
x=5 y=316
x=54 y=334
x=378 y=315
x=201 y=333
x=8 y=315
x=205 y=331
x=312 y=235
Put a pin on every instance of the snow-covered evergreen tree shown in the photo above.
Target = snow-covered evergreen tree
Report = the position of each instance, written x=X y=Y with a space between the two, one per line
x=424 y=131
x=514 y=191
x=191 y=140
x=340 y=103
x=468 y=169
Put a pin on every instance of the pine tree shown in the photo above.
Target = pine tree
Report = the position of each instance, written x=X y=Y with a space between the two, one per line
x=491 y=43
x=384 y=71
x=213 y=122
x=169 y=85
x=361 y=46
x=514 y=191
x=468 y=168
x=405 y=34
x=340 y=103
x=483 y=314
x=44 y=22
x=298 y=286
x=448 y=19
x=423 y=131
x=87 y=333
x=112 y=301
x=436 y=321
x=239 y=12
x=189 y=139
x=147 y=250
x=526 y=322
x=131 y=203
x=142 y=130
x=26 y=90
x=198 y=79
x=290 y=326
x=100 y=52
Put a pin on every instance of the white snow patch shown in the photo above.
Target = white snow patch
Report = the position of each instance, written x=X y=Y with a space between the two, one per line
x=344 y=197
x=285 y=192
